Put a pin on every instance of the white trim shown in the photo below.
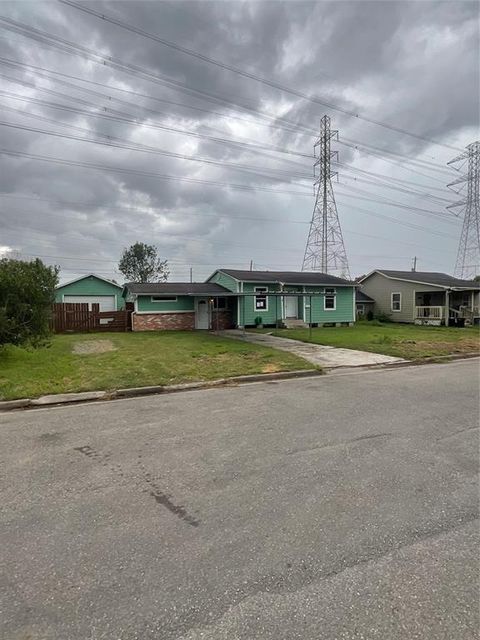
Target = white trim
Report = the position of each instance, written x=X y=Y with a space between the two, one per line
x=255 y=290
x=206 y=300
x=286 y=305
x=167 y=297
x=89 y=275
x=155 y=313
x=355 y=306
x=334 y=308
x=395 y=293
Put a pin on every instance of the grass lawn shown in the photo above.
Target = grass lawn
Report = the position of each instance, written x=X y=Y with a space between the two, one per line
x=107 y=361
x=403 y=340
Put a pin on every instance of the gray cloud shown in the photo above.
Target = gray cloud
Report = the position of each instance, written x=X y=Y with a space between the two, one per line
x=414 y=65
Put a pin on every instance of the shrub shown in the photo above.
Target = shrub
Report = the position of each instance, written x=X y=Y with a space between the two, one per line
x=369 y=315
x=383 y=317
x=27 y=292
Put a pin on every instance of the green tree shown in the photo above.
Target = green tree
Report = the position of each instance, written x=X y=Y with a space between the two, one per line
x=27 y=292
x=140 y=263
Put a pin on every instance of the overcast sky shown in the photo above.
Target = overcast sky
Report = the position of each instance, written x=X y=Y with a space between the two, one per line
x=411 y=65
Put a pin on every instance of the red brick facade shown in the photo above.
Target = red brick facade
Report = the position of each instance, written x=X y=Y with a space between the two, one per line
x=179 y=321
x=221 y=319
x=158 y=321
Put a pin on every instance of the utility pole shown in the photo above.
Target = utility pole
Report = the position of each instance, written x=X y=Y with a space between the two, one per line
x=325 y=249
x=251 y=265
x=414 y=263
x=191 y=274
x=467 y=265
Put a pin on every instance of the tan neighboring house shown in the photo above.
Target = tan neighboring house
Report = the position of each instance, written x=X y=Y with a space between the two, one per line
x=423 y=297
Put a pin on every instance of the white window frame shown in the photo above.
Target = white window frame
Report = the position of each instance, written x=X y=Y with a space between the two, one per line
x=330 y=295
x=396 y=293
x=263 y=290
x=361 y=308
x=163 y=298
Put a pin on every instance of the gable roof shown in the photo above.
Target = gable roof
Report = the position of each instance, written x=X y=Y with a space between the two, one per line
x=426 y=277
x=89 y=275
x=362 y=297
x=287 y=277
x=176 y=288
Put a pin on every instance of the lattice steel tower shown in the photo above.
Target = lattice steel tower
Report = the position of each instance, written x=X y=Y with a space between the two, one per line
x=325 y=249
x=467 y=265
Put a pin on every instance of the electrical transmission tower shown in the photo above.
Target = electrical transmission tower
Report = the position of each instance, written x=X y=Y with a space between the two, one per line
x=468 y=257
x=325 y=250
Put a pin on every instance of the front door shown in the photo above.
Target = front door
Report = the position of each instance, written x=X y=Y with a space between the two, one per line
x=202 y=320
x=291 y=307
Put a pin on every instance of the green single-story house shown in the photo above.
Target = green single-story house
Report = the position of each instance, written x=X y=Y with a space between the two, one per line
x=92 y=289
x=233 y=298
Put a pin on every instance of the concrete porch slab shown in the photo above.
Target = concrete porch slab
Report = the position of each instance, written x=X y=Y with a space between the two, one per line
x=320 y=355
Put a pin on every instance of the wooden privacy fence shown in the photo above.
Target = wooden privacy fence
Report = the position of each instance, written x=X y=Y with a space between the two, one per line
x=72 y=316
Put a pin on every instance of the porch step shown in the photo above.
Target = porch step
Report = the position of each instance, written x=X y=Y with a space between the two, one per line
x=293 y=323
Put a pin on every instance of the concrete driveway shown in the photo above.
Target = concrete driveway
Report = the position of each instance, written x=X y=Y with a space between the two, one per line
x=327 y=357
x=338 y=507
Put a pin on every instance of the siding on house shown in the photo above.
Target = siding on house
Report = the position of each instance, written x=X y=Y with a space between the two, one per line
x=344 y=306
x=182 y=303
x=224 y=280
x=344 y=311
x=381 y=288
x=248 y=313
x=90 y=286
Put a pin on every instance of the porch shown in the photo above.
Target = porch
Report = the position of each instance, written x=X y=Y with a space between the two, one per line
x=454 y=308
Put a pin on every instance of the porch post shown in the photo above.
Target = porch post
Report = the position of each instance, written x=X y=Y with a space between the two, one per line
x=276 y=312
x=243 y=309
x=447 y=306
x=310 y=321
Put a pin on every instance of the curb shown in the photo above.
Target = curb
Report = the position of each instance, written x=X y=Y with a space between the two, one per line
x=444 y=359
x=137 y=392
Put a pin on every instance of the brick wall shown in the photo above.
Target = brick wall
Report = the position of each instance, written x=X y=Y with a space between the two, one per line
x=223 y=318
x=158 y=321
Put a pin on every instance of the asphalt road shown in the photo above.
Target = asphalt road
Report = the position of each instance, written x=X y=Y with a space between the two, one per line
x=342 y=507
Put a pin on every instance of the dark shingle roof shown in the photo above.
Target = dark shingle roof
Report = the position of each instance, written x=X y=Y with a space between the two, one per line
x=287 y=277
x=431 y=277
x=180 y=288
x=362 y=297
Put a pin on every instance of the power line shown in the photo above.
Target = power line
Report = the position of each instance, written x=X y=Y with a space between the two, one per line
x=292 y=126
x=152 y=174
x=206 y=214
x=246 y=74
x=235 y=166
x=248 y=188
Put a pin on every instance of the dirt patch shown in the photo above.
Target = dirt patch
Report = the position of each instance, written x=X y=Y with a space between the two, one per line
x=93 y=346
x=271 y=368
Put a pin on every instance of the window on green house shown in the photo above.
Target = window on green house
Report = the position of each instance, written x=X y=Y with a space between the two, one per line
x=261 y=301
x=329 y=301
